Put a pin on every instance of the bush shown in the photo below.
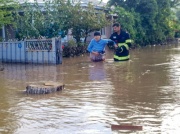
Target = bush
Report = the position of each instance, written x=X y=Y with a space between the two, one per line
x=72 y=50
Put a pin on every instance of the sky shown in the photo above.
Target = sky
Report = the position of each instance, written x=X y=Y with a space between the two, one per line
x=105 y=1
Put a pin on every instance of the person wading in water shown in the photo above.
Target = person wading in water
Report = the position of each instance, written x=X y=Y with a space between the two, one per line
x=97 y=47
x=123 y=41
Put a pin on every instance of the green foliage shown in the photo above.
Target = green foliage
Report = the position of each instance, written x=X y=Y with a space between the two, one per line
x=126 y=20
x=176 y=23
x=164 y=20
x=81 y=20
x=59 y=16
x=174 y=3
x=71 y=43
x=7 y=10
x=36 y=21
x=151 y=21
x=71 y=51
x=178 y=14
x=129 y=5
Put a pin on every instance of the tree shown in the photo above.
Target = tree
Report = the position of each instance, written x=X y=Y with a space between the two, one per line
x=164 y=20
x=34 y=21
x=90 y=20
x=153 y=19
x=178 y=14
x=148 y=11
x=126 y=4
x=59 y=16
x=174 y=3
x=81 y=20
x=126 y=20
x=6 y=11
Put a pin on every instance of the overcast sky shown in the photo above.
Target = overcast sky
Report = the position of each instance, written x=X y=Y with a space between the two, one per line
x=105 y=1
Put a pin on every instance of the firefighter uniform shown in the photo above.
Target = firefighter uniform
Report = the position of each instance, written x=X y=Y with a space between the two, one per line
x=123 y=41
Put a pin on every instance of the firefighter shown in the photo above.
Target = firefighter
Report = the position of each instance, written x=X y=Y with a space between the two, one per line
x=123 y=42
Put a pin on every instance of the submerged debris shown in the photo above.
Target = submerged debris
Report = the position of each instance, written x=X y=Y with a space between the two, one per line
x=44 y=88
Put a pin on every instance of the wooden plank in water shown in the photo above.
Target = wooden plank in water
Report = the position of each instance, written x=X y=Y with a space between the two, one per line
x=52 y=84
x=126 y=127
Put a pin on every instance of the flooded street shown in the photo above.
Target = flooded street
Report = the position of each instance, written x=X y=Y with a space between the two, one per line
x=143 y=91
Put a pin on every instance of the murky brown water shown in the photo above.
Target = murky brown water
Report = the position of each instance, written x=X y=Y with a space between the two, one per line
x=143 y=91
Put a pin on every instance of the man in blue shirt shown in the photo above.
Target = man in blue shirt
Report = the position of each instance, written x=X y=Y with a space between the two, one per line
x=97 y=47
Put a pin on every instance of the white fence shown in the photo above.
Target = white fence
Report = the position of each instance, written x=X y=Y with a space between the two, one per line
x=40 y=51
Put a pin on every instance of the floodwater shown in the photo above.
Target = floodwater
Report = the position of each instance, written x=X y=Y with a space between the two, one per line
x=144 y=91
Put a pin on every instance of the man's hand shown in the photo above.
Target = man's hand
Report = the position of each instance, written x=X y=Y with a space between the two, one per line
x=116 y=46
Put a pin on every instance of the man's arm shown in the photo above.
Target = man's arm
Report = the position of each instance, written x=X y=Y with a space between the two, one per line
x=90 y=46
x=128 y=40
x=111 y=43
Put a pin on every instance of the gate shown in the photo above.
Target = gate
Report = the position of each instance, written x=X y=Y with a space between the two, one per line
x=40 y=51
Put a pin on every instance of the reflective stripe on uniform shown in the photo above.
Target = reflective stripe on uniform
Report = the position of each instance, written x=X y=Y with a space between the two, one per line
x=122 y=58
x=123 y=44
x=129 y=41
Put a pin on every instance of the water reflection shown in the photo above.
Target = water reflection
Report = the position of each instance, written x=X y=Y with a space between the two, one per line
x=97 y=71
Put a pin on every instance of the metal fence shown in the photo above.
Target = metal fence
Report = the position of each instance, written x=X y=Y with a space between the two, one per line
x=40 y=51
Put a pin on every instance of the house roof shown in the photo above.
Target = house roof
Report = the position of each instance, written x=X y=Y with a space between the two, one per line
x=84 y=3
x=95 y=2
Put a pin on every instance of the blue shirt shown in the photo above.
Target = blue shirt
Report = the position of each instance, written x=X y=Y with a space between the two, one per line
x=98 y=46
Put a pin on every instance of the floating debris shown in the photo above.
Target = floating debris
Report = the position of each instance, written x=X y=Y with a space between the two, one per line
x=126 y=127
x=44 y=88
